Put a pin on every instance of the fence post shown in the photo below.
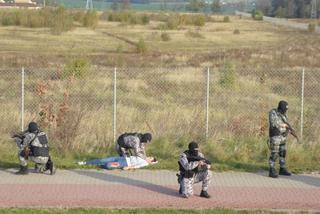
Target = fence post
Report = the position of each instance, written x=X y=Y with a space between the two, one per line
x=302 y=104
x=22 y=99
x=207 y=103
x=115 y=104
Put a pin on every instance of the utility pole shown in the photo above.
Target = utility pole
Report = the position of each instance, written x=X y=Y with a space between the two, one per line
x=314 y=9
x=89 y=5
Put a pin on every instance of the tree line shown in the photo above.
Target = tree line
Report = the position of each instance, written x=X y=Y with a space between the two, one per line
x=287 y=8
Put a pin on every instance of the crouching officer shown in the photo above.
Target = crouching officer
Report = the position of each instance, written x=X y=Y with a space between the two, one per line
x=279 y=128
x=33 y=145
x=193 y=168
x=134 y=141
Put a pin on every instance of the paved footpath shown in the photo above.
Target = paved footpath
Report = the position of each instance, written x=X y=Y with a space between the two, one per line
x=145 y=188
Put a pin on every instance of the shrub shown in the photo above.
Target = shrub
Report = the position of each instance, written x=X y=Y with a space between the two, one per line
x=79 y=16
x=91 y=19
x=199 y=20
x=126 y=17
x=194 y=34
x=141 y=46
x=145 y=19
x=8 y=19
x=227 y=76
x=257 y=15
x=312 y=27
x=58 y=20
x=165 y=37
x=226 y=19
x=236 y=31
x=78 y=68
x=172 y=23
x=61 y=21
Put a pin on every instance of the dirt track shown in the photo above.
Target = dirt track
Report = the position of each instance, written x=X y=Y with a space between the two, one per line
x=144 y=188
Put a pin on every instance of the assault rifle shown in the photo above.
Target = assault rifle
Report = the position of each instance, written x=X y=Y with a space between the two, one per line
x=19 y=135
x=292 y=131
x=197 y=158
x=27 y=151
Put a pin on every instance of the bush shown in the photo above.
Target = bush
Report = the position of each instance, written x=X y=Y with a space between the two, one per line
x=61 y=21
x=165 y=37
x=226 y=19
x=126 y=17
x=227 y=76
x=194 y=34
x=79 y=16
x=172 y=23
x=199 y=20
x=141 y=46
x=78 y=68
x=312 y=27
x=90 y=19
x=8 y=19
x=236 y=31
x=257 y=15
x=145 y=19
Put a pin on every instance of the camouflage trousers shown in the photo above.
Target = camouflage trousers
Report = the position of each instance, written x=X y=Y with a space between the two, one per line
x=39 y=161
x=278 y=150
x=187 y=183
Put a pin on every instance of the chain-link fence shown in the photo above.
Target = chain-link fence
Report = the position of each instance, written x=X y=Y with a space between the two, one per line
x=191 y=103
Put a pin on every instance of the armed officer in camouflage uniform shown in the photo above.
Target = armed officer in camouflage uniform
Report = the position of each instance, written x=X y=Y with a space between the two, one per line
x=134 y=141
x=33 y=145
x=279 y=129
x=193 y=168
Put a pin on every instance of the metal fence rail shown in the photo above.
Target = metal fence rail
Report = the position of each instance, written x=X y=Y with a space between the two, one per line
x=215 y=103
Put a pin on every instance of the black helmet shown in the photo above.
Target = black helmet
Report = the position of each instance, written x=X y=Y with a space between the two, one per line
x=33 y=127
x=147 y=137
x=193 y=146
x=283 y=106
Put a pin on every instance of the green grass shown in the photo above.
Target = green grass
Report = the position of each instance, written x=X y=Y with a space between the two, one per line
x=259 y=43
x=249 y=155
x=132 y=211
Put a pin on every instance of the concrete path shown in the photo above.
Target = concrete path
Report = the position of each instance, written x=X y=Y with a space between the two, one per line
x=145 y=188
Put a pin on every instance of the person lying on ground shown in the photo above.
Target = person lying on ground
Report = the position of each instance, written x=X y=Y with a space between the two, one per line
x=125 y=163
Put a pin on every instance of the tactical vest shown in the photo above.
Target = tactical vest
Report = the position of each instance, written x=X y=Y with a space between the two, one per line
x=184 y=172
x=121 y=140
x=40 y=146
x=274 y=131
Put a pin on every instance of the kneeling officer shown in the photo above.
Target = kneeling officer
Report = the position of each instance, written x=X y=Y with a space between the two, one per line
x=33 y=145
x=193 y=168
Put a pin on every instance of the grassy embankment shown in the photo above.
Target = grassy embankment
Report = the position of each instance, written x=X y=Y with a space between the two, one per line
x=188 y=43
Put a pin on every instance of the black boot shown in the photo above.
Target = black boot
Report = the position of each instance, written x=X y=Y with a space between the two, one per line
x=284 y=171
x=23 y=170
x=50 y=166
x=204 y=194
x=273 y=173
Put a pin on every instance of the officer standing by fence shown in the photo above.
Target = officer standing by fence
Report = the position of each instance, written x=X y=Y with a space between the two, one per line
x=193 y=168
x=279 y=128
